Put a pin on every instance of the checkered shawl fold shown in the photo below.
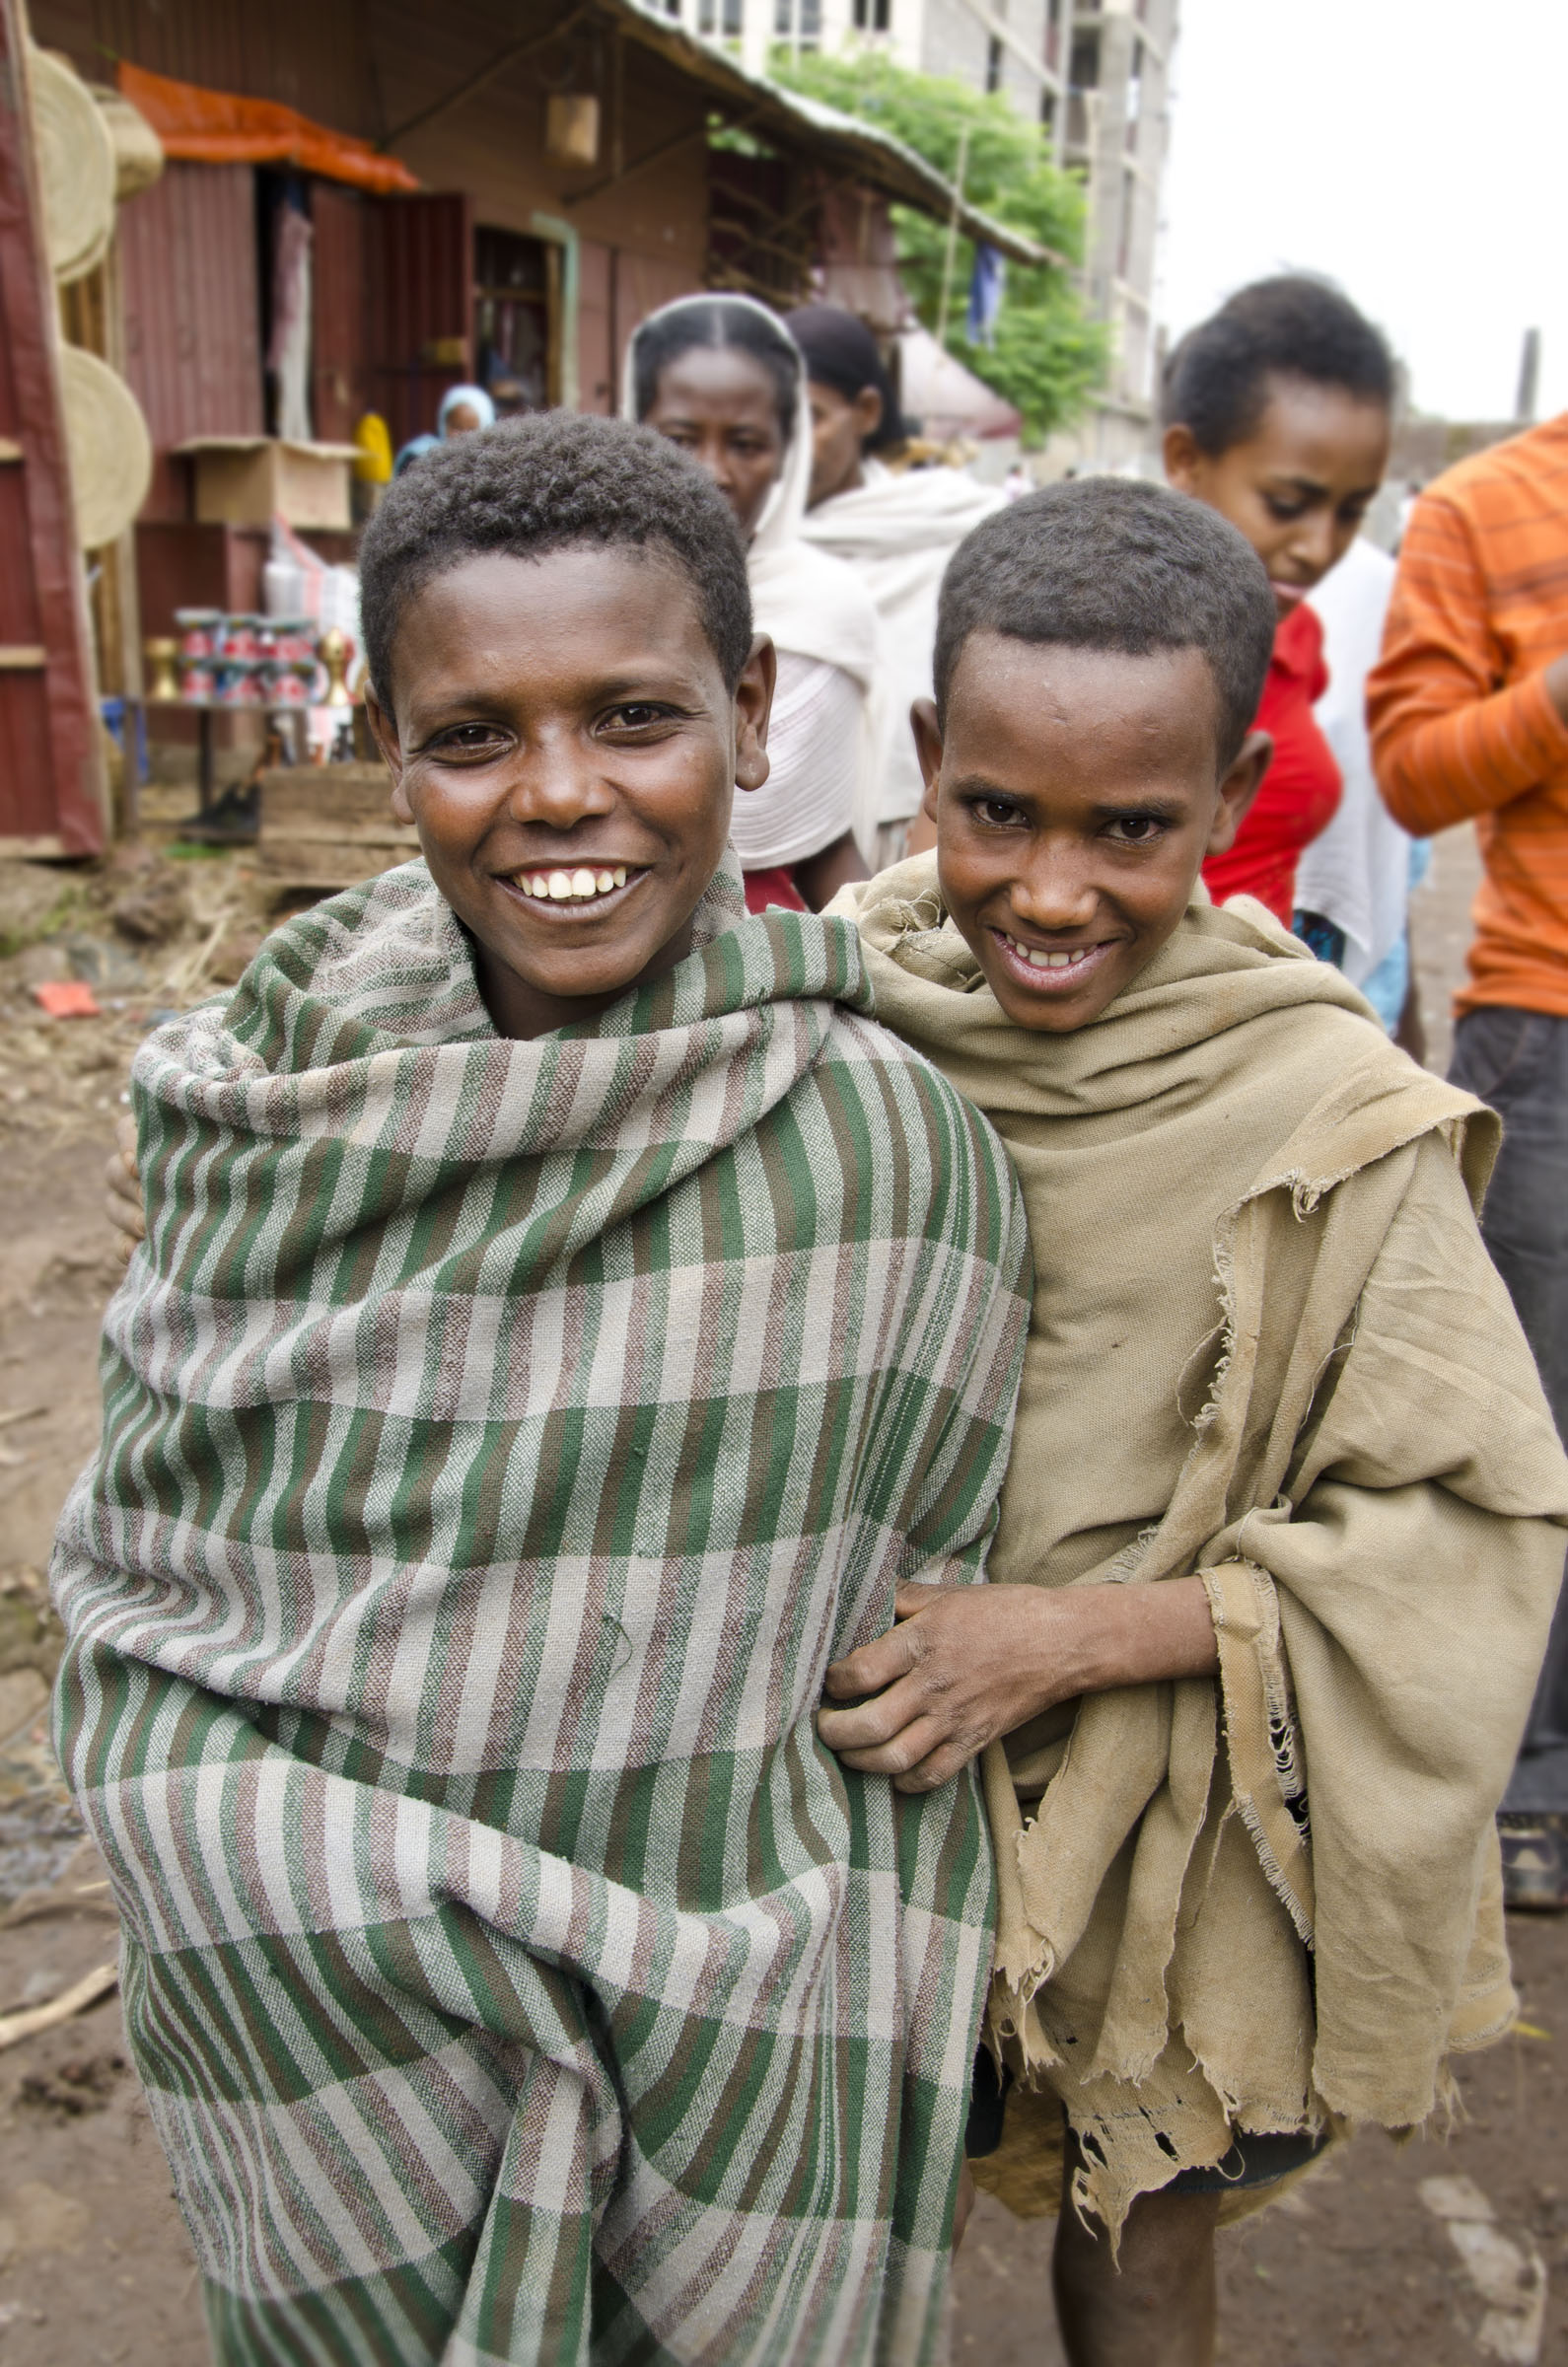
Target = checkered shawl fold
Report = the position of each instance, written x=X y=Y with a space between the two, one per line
x=500 y=1439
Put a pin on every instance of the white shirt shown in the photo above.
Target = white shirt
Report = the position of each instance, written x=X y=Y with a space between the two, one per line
x=1357 y=872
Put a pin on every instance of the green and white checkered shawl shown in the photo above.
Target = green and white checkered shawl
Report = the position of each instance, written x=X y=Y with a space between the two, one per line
x=500 y=1438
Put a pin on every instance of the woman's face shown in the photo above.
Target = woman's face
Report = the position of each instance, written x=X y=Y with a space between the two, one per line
x=720 y=405
x=840 y=424
x=1299 y=486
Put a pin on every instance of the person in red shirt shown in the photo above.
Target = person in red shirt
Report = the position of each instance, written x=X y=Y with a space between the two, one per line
x=1277 y=414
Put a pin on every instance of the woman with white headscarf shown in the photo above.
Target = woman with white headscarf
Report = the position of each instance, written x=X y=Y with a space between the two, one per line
x=897 y=527
x=720 y=376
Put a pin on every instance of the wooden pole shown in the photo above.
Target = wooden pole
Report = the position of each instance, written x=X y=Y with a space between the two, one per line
x=65 y=796
x=951 y=257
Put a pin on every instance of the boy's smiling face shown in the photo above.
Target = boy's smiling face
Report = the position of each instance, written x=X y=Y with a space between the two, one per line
x=1076 y=792
x=567 y=748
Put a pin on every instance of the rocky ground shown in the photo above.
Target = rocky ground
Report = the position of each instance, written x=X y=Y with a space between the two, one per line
x=1434 y=2255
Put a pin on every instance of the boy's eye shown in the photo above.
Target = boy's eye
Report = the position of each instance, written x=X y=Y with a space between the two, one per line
x=996 y=813
x=1136 y=829
x=638 y=715
x=475 y=741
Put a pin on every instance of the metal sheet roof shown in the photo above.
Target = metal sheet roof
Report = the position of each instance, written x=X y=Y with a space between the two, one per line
x=769 y=110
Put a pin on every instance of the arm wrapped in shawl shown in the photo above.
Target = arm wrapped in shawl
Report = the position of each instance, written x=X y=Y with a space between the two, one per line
x=1358 y=1456
x=500 y=1439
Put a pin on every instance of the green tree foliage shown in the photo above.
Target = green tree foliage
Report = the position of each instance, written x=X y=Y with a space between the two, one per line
x=1049 y=355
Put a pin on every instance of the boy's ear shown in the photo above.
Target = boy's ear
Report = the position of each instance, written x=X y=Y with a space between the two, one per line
x=754 y=705
x=385 y=734
x=928 y=749
x=1238 y=788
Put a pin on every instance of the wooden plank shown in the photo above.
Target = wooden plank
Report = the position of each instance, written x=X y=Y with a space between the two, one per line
x=329 y=825
x=34 y=850
x=9 y=451
x=289 y=865
x=23 y=657
x=66 y=784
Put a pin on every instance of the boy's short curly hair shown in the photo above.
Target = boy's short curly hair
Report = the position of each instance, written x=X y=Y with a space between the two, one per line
x=1216 y=382
x=555 y=481
x=1108 y=562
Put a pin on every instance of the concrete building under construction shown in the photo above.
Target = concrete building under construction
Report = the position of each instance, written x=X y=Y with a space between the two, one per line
x=1096 y=73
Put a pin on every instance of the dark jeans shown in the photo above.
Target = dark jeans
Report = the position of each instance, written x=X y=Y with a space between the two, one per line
x=1517 y=1061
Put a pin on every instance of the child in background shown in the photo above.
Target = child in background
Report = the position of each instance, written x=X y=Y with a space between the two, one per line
x=1282 y=1526
x=564 y=1318
x=1277 y=414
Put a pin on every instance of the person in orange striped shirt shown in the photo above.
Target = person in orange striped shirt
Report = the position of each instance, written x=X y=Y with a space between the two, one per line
x=1468 y=715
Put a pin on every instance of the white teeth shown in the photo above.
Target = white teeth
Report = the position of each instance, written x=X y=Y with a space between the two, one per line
x=1037 y=959
x=572 y=887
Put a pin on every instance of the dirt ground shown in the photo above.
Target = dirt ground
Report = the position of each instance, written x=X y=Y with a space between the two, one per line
x=1431 y=2256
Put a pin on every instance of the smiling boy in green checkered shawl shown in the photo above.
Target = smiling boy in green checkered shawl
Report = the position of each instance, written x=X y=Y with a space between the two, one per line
x=565 y=1319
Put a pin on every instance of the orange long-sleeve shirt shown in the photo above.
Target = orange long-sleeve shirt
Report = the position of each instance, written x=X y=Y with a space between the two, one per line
x=1461 y=719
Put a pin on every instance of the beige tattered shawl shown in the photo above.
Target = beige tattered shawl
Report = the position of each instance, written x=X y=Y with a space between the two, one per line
x=1268 y=1346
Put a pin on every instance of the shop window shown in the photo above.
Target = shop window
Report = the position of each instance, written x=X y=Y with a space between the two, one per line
x=1129 y=199
x=1134 y=97
x=512 y=317
x=1053 y=34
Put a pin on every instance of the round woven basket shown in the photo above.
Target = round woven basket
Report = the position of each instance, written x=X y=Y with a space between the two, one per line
x=76 y=167
x=110 y=450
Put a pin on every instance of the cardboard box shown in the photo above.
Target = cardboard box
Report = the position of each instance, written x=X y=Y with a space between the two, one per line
x=248 y=480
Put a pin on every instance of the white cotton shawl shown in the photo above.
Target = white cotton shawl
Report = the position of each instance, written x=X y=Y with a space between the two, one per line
x=806 y=602
x=897 y=531
x=1357 y=873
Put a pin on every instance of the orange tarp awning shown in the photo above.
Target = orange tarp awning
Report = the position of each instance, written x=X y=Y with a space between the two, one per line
x=216 y=127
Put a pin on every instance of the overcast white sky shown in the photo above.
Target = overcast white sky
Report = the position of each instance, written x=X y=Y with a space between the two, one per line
x=1414 y=150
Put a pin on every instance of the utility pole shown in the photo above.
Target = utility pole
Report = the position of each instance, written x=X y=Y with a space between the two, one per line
x=951 y=255
x=1529 y=377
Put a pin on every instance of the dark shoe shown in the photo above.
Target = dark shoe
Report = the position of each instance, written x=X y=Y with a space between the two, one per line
x=233 y=819
x=1535 y=1863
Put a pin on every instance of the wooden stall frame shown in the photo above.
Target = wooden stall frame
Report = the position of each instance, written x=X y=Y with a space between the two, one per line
x=30 y=321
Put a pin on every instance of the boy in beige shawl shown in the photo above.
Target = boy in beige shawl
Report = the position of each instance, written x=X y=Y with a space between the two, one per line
x=1282 y=1527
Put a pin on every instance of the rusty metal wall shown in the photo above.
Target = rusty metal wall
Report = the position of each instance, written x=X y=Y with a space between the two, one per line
x=192 y=314
x=421 y=306
x=341 y=221
x=305 y=52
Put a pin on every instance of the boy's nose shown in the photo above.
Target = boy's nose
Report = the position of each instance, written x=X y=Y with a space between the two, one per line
x=558 y=783
x=1054 y=896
